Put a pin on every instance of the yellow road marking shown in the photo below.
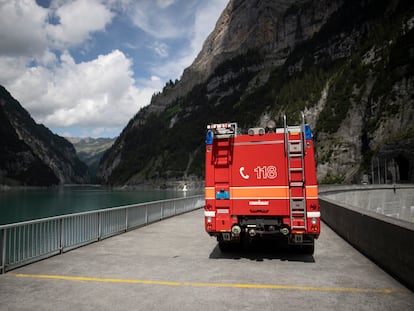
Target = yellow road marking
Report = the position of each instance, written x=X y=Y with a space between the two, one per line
x=198 y=284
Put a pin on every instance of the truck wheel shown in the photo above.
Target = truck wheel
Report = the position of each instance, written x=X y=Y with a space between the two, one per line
x=246 y=243
x=308 y=249
x=224 y=246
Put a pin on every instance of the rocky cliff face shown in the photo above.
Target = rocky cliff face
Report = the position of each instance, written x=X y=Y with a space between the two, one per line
x=31 y=155
x=347 y=64
x=273 y=27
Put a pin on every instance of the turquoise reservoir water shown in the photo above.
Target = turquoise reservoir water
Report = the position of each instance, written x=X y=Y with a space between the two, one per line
x=28 y=204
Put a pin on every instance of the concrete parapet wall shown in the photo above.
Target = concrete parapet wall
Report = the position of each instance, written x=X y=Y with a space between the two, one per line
x=388 y=242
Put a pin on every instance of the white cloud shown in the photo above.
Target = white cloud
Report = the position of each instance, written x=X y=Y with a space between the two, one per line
x=164 y=3
x=22 y=28
x=167 y=23
x=77 y=20
x=100 y=93
x=29 y=86
x=161 y=49
x=26 y=30
x=205 y=18
x=205 y=21
x=11 y=68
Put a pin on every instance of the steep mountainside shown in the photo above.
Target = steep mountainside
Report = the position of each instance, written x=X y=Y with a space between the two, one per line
x=30 y=154
x=90 y=150
x=347 y=64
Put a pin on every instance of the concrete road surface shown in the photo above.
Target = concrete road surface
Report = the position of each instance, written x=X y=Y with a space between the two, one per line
x=175 y=265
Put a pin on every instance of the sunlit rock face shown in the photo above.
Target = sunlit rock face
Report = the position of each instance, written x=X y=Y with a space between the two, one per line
x=334 y=60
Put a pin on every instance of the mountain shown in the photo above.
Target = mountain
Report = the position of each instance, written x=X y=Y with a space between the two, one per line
x=347 y=64
x=90 y=150
x=30 y=154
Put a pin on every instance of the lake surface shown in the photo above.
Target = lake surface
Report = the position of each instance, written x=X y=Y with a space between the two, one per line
x=28 y=204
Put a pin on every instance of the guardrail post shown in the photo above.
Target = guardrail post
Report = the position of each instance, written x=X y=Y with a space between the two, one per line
x=99 y=226
x=3 y=250
x=126 y=219
x=62 y=235
x=146 y=214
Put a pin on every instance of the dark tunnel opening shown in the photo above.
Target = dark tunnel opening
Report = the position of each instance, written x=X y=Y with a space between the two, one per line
x=403 y=168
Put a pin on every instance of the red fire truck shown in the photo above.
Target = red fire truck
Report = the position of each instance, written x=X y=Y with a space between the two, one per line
x=261 y=184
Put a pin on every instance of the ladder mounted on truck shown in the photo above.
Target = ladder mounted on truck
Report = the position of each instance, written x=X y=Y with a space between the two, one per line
x=223 y=133
x=222 y=156
x=295 y=152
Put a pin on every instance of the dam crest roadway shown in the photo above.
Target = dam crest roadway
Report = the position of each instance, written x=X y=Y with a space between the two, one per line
x=174 y=265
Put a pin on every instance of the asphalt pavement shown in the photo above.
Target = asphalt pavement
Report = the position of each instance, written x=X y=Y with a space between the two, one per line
x=175 y=265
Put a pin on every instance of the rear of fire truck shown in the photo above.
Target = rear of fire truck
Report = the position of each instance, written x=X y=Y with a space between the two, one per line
x=261 y=184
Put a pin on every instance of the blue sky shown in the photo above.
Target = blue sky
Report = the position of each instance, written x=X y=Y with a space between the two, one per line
x=85 y=67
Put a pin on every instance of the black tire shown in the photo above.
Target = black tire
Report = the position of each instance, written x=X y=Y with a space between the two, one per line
x=308 y=249
x=246 y=242
x=224 y=246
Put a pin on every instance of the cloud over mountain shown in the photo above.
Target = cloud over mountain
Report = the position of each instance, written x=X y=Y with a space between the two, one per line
x=85 y=67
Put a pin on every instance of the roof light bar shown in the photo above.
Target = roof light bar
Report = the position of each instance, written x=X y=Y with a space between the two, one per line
x=223 y=130
x=222 y=125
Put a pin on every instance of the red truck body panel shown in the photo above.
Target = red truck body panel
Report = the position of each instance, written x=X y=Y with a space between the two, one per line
x=262 y=182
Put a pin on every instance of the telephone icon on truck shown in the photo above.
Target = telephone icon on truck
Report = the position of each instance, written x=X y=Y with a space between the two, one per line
x=242 y=174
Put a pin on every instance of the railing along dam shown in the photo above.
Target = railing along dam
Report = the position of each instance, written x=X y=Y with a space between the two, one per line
x=25 y=242
x=175 y=259
x=386 y=240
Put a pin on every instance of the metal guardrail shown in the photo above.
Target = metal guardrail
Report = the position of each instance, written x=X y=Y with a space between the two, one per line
x=328 y=189
x=26 y=242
